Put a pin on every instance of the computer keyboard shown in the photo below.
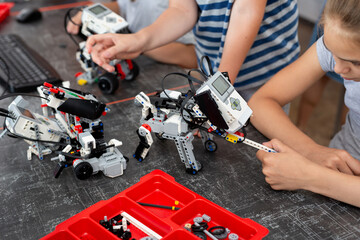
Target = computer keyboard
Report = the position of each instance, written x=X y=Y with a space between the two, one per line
x=27 y=68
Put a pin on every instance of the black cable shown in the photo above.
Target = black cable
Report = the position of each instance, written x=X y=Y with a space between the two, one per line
x=190 y=79
x=68 y=17
x=6 y=115
x=217 y=230
x=190 y=94
x=3 y=110
x=199 y=71
x=209 y=65
x=202 y=226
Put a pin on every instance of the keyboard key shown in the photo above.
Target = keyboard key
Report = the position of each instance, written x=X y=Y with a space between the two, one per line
x=27 y=68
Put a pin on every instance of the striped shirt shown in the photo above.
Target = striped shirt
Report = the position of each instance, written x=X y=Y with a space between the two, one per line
x=275 y=46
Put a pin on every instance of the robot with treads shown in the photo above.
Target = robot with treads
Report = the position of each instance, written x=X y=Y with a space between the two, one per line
x=98 y=19
x=215 y=108
x=70 y=125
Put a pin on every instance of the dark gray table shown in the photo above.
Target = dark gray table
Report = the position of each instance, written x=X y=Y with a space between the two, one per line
x=33 y=202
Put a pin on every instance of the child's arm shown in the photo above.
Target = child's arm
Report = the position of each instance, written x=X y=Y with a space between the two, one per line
x=174 y=22
x=245 y=20
x=74 y=28
x=270 y=119
x=288 y=170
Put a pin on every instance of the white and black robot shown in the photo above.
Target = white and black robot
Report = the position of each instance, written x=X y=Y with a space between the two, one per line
x=215 y=108
x=98 y=19
x=71 y=125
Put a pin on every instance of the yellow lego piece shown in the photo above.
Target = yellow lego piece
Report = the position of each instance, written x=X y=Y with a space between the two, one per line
x=232 y=138
x=81 y=82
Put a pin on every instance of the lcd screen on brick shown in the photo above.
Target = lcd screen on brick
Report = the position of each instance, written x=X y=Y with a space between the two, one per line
x=221 y=85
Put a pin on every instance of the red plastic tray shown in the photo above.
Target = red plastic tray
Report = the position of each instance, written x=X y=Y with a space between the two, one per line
x=159 y=188
x=5 y=10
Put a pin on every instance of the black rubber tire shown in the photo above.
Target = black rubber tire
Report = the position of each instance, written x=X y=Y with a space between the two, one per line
x=108 y=83
x=83 y=170
x=210 y=146
x=200 y=235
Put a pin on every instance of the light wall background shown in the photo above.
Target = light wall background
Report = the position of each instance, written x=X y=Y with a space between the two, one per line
x=310 y=9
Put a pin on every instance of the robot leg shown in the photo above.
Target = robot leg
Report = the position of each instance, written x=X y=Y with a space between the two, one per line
x=144 y=133
x=185 y=147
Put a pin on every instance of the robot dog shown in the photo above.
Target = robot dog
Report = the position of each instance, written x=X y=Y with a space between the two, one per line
x=215 y=108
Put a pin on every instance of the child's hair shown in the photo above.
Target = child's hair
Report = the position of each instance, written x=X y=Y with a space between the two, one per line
x=348 y=14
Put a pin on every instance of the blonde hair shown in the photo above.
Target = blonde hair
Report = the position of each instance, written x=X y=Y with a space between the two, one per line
x=347 y=13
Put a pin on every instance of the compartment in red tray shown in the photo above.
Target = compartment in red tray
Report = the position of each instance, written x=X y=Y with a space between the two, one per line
x=244 y=228
x=161 y=191
x=118 y=205
x=181 y=235
x=62 y=235
x=86 y=229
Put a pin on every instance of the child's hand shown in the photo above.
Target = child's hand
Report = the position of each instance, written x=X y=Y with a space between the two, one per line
x=336 y=159
x=106 y=47
x=73 y=28
x=286 y=169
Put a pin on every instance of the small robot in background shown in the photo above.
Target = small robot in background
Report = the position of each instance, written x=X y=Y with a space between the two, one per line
x=215 y=108
x=97 y=19
x=71 y=125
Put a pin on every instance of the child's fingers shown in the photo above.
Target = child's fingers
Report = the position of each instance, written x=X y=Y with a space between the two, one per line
x=111 y=52
x=268 y=144
x=347 y=163
x=278 y=146
x=343 y=167
x=275 y=144
x=95 y=55
x=261 y=155
x=108 y=67
x=354 y=165
x=92 y=40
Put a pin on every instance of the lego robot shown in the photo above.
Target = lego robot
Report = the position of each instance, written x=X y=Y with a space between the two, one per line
x=97 y=19
x=70 y=125
x=215 y=108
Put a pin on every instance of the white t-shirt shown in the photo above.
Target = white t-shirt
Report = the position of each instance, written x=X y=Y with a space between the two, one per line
x=141 y=13
x=349 y=136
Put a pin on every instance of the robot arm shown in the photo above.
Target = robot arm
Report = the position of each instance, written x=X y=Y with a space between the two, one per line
x=73 y=102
